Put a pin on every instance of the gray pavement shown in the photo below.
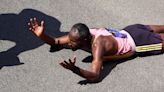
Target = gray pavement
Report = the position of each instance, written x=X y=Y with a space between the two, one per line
x=26 y=65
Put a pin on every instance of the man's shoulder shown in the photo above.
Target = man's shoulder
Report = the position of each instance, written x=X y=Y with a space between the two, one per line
x=104 y=41
x=98 y=41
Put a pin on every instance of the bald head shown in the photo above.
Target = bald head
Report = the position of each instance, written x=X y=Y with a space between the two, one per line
x=79 y=36
x=74 y=34
x=80 y=31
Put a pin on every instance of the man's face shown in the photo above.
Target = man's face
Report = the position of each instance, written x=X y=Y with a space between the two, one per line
x=74 y=43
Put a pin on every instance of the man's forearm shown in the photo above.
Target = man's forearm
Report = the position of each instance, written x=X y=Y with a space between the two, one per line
x=63 y=40
x=91 y=76
x=47 y=39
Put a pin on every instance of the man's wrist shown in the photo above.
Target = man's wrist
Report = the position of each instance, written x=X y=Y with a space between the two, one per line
x=76 y=70
x=42 y=36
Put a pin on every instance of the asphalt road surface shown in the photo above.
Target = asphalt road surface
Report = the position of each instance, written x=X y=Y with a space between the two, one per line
x=26 y=65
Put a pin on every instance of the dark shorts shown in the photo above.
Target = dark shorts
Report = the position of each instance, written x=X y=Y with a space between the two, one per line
x=144 y=36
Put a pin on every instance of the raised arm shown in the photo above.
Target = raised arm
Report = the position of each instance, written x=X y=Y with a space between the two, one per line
x=38 y=30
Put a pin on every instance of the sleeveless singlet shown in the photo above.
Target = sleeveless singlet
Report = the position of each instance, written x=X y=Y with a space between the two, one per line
x=124 y=44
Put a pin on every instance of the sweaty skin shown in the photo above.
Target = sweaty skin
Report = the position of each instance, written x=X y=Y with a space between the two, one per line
x=102 y=48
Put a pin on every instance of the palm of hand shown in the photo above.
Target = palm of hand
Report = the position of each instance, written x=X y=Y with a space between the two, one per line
x=38 y=30
x=35 y=28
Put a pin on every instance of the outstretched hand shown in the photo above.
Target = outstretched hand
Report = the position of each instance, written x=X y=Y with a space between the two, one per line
x=69 y=65
x=35 y=28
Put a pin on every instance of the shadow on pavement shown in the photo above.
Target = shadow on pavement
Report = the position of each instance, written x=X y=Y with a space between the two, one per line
x=14 y=28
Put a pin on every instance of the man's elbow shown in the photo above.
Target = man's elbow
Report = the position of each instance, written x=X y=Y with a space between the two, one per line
x=95 y=78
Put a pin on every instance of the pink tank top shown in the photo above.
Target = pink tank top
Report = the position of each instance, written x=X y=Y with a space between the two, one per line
x=124 y=44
